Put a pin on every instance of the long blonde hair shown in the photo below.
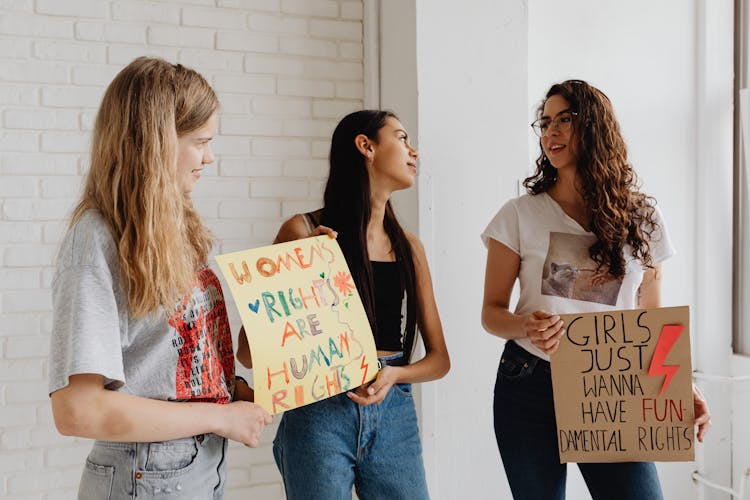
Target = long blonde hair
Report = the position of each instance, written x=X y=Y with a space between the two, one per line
x=132 y=181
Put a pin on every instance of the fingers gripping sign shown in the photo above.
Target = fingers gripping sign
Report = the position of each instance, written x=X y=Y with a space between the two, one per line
x=702 y=413
x=244 y=422
x=544 y=330
x=320 y=230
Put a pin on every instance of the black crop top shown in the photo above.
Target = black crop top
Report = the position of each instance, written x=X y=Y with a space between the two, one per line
x=388 y=297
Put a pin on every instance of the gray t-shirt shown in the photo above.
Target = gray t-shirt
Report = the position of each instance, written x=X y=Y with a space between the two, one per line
x=185 y=355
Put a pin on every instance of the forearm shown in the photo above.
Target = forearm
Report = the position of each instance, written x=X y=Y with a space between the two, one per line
x=499 y=321
x=433 y=366
x=115 y=416
x=243 y=350
x=649 y=291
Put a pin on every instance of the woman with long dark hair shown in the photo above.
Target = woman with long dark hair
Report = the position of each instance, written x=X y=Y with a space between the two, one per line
x=368 y=438
x=583 y=239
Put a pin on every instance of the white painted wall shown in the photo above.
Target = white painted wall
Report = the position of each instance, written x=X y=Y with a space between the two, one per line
x=471 y=74
x=398 y=86
x=481 y=71
x=285 y=72
x=725 y=453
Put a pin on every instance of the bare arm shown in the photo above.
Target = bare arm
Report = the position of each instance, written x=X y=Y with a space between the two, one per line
x=649 y=291
x=84 y=408
x=502 y=269
x=243 y=350
x=436 y=362
x=295 y=229
x=544 y=329
x=242 y=391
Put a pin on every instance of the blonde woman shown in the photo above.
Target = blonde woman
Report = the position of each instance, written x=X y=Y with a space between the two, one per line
x=141 y=356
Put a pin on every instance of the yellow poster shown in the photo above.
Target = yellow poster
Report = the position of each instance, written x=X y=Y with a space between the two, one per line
x=622 y=384
x=308 y=331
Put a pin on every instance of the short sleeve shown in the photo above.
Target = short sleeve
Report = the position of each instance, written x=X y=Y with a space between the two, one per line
x=504 y=228
x=86 y=324
x=660 y=244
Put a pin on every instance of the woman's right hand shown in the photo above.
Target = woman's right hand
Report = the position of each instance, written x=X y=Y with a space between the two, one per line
x=297 y=228
x=244 y=422
x=544 y=330
x=324 y=230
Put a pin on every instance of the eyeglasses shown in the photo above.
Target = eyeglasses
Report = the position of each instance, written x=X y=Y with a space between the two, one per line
x=561 y=122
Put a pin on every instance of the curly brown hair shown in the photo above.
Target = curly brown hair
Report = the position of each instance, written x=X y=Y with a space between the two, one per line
x=620 y=213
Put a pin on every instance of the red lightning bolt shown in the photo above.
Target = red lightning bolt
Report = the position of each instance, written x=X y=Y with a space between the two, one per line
x=667 y=338
x=364 y=367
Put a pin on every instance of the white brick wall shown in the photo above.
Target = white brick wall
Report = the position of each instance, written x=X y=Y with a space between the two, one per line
x=285 y=71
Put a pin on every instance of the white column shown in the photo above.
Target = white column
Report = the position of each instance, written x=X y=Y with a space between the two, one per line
x=462 y=95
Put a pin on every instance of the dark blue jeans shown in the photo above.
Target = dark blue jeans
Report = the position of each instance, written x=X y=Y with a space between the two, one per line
x=527 y=438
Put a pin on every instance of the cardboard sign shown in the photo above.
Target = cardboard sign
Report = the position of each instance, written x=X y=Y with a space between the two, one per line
x=304 y=320
x=622 y=385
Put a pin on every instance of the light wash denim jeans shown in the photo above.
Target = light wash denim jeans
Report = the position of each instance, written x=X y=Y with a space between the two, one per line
x=526 y=435
x=188 y=468
x=324 y=448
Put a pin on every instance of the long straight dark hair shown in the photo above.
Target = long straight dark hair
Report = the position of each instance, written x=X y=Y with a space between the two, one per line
x=347 y=210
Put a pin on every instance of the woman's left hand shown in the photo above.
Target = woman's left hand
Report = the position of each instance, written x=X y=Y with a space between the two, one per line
x=375 y=392
x=702 y=414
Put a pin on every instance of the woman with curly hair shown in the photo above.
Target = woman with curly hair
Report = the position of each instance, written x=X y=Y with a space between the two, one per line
x=141 y=356
x=584 y=239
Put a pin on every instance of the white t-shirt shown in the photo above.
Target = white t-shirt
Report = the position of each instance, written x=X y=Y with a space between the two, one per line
x=556 y=270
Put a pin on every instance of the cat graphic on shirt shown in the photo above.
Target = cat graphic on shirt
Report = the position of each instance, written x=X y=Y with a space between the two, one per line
x=561 y=279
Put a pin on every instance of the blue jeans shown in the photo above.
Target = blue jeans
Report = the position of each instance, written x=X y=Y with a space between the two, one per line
x=526 y=435
x=193 y=467
x=325 y=448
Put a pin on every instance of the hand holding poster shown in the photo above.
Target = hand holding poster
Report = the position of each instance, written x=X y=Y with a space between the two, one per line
x=622 y=383
x=308 y=332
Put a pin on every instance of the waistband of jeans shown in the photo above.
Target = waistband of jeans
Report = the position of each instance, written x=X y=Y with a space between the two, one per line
x=514 y=347
x=127 y=445
x=397 y=359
